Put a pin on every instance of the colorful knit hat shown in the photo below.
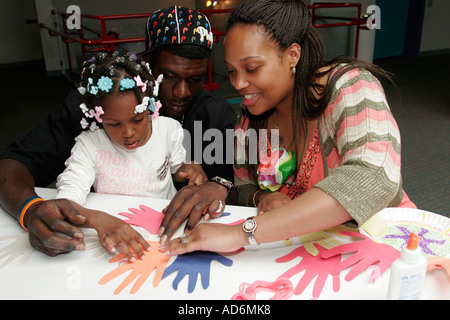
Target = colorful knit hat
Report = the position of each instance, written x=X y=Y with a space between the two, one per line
x=177 y=25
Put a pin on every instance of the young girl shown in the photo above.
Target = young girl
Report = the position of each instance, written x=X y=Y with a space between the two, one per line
x=127 y=148
x=339 y=155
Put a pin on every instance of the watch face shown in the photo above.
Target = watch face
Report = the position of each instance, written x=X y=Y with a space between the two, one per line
x=249 y=225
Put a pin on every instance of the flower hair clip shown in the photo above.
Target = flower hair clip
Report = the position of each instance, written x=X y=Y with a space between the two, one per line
x=104 y=84
x=126 y=84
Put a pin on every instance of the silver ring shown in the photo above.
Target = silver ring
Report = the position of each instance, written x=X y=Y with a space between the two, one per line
x=220 y=206
x=184 y=238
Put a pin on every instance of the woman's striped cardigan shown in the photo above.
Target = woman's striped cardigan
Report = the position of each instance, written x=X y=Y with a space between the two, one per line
x=360 y=143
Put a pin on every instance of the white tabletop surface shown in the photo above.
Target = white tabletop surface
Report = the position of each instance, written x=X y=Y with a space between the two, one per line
x=76 y=275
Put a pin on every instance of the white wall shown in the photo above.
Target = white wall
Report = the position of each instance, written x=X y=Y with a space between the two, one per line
x=435 y=32
x=19 y=41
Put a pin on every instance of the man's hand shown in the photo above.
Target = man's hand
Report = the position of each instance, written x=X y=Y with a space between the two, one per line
x=192 y=201
x=45 y=219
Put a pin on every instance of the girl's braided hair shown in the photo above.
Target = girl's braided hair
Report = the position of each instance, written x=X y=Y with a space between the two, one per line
x=115 y=67
x=288 y=22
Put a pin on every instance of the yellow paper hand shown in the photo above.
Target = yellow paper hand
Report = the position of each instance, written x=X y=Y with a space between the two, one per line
x=326 y=239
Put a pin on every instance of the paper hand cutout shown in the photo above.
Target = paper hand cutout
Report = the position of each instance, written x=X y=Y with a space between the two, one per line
x=367 y=253
x=193 y=264
x=437 y=263
x=141 y=269
x=146 y=218
x=327 y=239
x=313 y=266
x=20 y=248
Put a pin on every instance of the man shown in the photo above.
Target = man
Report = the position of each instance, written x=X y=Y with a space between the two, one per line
x=37 y=158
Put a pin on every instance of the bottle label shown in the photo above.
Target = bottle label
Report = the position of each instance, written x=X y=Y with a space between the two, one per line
x=411 y=286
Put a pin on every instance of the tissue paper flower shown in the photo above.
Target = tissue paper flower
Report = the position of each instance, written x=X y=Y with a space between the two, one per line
x=274 y=169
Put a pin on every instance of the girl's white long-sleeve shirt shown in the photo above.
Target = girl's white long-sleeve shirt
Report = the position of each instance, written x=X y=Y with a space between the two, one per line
x=146 y=171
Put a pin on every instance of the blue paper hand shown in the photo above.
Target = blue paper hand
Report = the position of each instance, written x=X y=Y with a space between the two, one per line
x=192 y=264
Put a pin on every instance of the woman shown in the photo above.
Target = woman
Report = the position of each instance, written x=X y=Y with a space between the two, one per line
x=334 y=124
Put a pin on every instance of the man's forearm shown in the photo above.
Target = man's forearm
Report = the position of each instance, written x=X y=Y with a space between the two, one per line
x=16 y=185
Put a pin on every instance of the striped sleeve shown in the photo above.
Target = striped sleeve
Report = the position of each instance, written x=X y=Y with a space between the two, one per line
x=361 y=147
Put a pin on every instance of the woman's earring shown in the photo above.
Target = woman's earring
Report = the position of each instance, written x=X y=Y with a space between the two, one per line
x=294 y=71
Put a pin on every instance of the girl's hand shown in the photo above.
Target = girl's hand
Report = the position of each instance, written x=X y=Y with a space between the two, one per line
x=271 y=200
x=214 y=237
x=115 y=233
x=192 y=172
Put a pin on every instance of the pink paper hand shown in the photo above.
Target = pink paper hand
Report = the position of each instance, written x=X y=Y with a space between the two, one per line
x=146 y=218
x=141 y=269
x=367 y=253
x=313 y=266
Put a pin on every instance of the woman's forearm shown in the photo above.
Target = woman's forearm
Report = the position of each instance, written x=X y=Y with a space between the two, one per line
x=313 y=211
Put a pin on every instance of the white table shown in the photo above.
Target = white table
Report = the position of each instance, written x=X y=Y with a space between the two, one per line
x=76 y=275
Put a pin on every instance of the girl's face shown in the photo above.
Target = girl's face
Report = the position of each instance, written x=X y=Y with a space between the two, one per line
x=124 y=127
x=258 y=69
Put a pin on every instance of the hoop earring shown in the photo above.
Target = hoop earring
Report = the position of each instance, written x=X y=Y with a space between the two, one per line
x=294 y=70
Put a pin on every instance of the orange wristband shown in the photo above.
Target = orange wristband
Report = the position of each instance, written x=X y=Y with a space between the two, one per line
x=23 y=209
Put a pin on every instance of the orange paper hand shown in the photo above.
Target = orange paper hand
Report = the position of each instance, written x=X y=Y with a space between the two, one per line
x=142 y=268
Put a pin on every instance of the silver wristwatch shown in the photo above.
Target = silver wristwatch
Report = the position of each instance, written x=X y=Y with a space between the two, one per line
x=224 y=182
x=249 y=226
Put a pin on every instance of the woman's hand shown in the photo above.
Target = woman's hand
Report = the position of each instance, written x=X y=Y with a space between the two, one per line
x=214 y=237
x=271 y=200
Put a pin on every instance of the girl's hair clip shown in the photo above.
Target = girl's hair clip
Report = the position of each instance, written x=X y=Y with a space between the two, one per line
x=131 y=56
x=98 y=114
x=139 y=83
x=101 y=55
x=143 y=106
x=156 y=87
x=104 y=83
x=126 y=84
x=111 y=70
x=82 y=90
x=157 y=106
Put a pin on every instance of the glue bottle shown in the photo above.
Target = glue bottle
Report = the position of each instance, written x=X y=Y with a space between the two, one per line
x=408 y=272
